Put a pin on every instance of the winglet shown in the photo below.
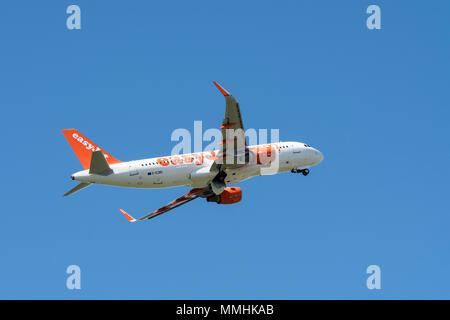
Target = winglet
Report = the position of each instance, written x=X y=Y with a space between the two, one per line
x=130 y=218
x=224 y=92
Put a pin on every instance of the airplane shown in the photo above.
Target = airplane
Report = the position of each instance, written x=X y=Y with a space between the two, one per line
x=208 y=173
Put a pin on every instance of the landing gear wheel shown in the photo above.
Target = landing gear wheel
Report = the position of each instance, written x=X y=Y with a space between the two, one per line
x=305 y=172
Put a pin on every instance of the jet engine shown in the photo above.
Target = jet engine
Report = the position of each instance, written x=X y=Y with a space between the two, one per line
x=201 y=176
x=228 y=196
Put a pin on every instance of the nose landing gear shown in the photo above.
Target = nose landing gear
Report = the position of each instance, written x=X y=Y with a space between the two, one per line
x=305 y=172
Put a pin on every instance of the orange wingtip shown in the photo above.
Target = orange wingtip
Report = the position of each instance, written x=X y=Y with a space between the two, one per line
x=224 y=92
x=130 y=218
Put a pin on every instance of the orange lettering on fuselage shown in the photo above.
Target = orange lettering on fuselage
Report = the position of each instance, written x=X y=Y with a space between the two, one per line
x=176 y=160
x=187 y=158
x=211 y=155
x=199 y=158
x=163 y=162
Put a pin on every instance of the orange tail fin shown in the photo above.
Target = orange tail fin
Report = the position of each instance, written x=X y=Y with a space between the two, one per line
x=83 y=148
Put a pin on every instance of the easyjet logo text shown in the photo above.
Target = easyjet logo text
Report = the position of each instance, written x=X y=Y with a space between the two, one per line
x=197 y=158
x=87 y=144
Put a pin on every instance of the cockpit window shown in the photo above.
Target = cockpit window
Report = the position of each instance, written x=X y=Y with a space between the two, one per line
x=307 y=145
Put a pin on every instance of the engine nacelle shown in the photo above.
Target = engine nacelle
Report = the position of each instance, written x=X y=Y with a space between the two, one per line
x=201 y=176
x=229 y=195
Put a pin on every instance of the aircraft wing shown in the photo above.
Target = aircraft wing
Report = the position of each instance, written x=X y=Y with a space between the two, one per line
x=233 y=142
x=191 y=195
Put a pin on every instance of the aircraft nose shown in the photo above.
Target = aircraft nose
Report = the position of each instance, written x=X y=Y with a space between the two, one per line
x=318 y=156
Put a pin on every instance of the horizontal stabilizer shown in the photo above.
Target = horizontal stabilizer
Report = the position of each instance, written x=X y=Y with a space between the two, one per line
x=80 y=186
x=99 y=164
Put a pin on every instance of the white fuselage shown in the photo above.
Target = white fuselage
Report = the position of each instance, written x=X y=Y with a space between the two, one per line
x=194 y=170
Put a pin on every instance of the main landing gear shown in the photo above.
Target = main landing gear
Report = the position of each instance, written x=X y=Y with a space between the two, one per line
x=218 y=183
x=305 y=172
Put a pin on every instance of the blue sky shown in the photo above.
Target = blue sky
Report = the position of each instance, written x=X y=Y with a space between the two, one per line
x=376 y=103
